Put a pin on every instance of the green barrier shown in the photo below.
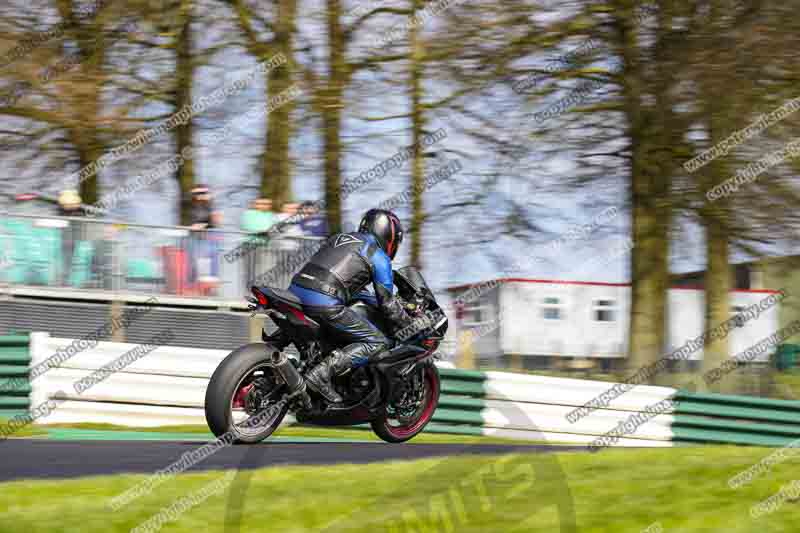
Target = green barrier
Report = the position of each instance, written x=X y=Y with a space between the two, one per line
x=14 y=340
x=727 y=437
x=13 y=370
x=15 y=387
x=730 y=419
x=687 y=421
x=7 y=414
x=466 y=388
x=465 y=403
x=734 y=400
x=454 y=374
x=460 y=403
x=14 y=356
x=10 y=402
x=456 y=416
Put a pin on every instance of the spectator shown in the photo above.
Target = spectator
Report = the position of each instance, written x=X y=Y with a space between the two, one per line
x=313 y=223
x=102 y=259
x=288 y=241
x=289 y=210
x=291 y=227
x=203 y=214
x=258 y=219
x=69 y=205
x=204 y=245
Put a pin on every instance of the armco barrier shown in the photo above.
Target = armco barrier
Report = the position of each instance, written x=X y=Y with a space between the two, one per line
x=717 y=418
x=15 y=387
x=530 y=407
x=167 y=387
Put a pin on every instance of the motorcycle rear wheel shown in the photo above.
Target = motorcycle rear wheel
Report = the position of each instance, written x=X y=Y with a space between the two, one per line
x=243 y=384
x=392 y=430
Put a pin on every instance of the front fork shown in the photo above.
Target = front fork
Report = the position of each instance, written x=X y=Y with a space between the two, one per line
x=396 y=373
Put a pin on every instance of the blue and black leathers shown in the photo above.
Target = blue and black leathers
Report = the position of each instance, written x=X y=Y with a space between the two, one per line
x=337 y=275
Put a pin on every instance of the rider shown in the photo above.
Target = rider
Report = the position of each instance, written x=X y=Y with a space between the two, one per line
x=333 y=277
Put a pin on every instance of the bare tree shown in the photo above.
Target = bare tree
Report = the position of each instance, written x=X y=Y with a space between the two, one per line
x=74 y=44
x=184 y=83
x=265 y=37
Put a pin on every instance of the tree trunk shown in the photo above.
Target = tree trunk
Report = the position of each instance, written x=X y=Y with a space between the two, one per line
x=332 y=122
x=717 y=289
x=648 y=267
x=665 y=131
x=90 y=148
x=718 y=272
x=332 y=104
x=86 y=135
x=649 y=228
x=276 y=181
x=183 y=133
x=662 y=281
x=418 y=127
x=717 y=106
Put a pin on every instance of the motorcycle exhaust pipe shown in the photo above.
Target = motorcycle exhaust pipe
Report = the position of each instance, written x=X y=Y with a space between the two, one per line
x=289 y=374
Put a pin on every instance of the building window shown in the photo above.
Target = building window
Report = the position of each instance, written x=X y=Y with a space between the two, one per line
x=736 y=311
x=476 y=316
x=604 y=310
x=552 y=308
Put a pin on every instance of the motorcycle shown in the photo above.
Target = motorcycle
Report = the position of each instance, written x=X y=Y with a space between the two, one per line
x=256 y=385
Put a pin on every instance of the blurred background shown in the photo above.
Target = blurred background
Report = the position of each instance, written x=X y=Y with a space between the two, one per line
x=587 y=185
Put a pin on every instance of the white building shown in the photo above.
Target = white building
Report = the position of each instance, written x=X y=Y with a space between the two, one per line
x=576 y=319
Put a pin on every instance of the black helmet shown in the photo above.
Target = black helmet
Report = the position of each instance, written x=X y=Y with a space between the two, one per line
x=386 y=228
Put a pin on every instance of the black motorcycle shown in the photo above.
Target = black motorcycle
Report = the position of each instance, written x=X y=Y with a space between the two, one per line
x=255 y=386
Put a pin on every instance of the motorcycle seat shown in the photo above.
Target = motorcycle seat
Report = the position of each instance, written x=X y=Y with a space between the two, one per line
x=283 y=296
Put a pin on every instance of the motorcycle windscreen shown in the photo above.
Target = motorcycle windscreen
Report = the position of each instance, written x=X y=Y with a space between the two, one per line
x=409 y=279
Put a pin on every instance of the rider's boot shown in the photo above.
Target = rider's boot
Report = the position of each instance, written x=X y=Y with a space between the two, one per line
x=319 y=378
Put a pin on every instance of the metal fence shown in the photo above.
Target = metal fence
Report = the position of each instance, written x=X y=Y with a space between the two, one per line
x=87 y=254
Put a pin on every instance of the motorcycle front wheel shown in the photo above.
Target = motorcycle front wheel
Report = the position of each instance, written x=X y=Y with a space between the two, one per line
x=395 y=426
x=245 y=399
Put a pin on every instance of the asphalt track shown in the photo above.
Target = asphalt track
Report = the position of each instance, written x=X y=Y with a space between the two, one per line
x=47 y=459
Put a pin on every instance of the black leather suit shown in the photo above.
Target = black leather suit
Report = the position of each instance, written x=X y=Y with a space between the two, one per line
x=338 y=274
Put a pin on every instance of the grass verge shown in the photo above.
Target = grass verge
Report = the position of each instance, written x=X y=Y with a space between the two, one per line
x=681 y=489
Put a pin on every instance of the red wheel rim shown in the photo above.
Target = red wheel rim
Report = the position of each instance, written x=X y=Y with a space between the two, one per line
x=241 y=394
x=408 y=430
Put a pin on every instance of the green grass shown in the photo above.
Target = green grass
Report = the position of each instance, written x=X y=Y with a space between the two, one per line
x=684 y=489
x=30 y=430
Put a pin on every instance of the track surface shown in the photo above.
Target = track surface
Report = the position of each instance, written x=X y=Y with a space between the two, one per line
x=42 y=459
